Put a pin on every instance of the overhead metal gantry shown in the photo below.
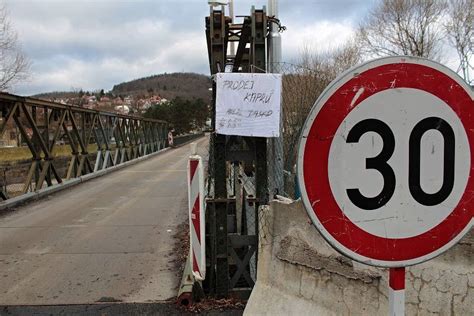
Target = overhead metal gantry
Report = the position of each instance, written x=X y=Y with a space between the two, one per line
x=237 y=165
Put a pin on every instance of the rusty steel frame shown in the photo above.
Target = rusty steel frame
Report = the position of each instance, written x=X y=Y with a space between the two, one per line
x=229 y=252
x=118 y=138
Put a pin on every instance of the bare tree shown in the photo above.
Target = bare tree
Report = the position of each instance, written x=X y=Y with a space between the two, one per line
x=14 y=65
x=460 y=32
x=301 y=86
x=403 y=27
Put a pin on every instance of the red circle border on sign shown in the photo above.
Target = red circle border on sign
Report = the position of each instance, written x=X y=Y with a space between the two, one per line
x=316 y=154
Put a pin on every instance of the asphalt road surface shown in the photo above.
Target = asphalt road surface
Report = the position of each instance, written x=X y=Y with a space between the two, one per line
x=109 y=239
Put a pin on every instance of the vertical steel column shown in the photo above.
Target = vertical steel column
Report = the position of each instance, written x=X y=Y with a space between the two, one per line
x=217 y=35
x=220 y=166
x=45 y=136
x=233 y=253
x=35 y=144
x=164 y=134
x=258 y=59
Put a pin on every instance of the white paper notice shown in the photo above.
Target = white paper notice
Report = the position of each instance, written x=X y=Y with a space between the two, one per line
x=248 y=104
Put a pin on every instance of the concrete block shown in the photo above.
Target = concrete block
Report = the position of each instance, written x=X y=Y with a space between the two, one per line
x=271 y=301
x=434 y=301
x=308 y=284
x=416 y=282
x=463 y=304
x=367 y=298
x=291 y=272
x=412 y=309
x=449 y=282
x=276 y=274
x=470 y=278
x=411 y=295
x=429 y=275
x=300 y=274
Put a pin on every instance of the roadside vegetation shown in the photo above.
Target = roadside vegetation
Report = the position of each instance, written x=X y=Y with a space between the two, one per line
x=184 y=115
x=11 y=154
x=434 y=29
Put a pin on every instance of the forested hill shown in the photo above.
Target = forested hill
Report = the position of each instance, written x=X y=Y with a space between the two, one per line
x=169 y=86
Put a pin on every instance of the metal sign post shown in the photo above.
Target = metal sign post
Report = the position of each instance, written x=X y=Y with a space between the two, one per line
x=396 y=291
x=384 y=164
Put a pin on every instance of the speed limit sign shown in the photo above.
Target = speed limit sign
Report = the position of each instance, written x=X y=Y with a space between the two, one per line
x=385 y=161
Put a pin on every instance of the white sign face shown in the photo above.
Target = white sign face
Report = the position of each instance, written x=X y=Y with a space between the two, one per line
x=248 y=104
x=385 y=162
x=405 y=214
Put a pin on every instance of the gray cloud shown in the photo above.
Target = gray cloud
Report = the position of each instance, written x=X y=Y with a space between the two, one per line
x=95 y=44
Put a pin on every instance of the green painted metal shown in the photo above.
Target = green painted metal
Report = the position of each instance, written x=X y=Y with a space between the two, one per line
x=43 y=125
x=230 y=252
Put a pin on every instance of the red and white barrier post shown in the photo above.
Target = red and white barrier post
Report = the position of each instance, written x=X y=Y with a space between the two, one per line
x=396 y=291
x=196 y=215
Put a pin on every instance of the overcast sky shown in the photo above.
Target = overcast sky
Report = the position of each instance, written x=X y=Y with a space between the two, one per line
x=95 y=44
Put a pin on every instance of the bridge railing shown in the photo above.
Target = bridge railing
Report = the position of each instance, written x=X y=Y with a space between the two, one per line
x=45 y=143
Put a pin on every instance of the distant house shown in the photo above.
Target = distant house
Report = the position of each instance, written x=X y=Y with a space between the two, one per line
x=122 y=109
x=9 y=137
x=155 y=99
x=91 y=99
x=90 y=105
x=117 y=101
x=146 y=105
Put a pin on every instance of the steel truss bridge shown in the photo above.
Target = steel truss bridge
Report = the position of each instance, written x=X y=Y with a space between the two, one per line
x=43 y=125
x=237 y=171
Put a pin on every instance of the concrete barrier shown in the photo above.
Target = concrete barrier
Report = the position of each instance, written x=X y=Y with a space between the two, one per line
x=300 y=274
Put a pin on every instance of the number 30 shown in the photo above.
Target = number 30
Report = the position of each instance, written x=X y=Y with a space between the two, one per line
x=380 y=162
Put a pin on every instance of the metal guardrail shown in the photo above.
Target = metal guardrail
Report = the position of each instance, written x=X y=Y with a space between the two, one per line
x=42 y=126
x=183 y=139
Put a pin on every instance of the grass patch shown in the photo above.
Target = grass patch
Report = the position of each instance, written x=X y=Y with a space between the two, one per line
x=8 y=154
x=14 y=153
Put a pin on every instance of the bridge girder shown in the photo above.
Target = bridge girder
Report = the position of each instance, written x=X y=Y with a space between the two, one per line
x=42 y=125
x=229 y=249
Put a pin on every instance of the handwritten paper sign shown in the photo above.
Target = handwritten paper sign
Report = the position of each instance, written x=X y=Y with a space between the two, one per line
x=248 y=104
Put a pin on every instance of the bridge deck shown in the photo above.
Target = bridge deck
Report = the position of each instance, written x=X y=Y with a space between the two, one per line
x=107 y=239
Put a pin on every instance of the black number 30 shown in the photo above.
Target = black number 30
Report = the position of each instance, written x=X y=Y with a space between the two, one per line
x=380 y=162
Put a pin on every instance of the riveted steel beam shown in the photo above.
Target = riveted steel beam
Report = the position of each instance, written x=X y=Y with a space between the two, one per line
x=48 y=129
x=231 y=252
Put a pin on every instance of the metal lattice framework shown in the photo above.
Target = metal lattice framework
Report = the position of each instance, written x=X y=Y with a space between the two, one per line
x=232 y=202
x=110 y=137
